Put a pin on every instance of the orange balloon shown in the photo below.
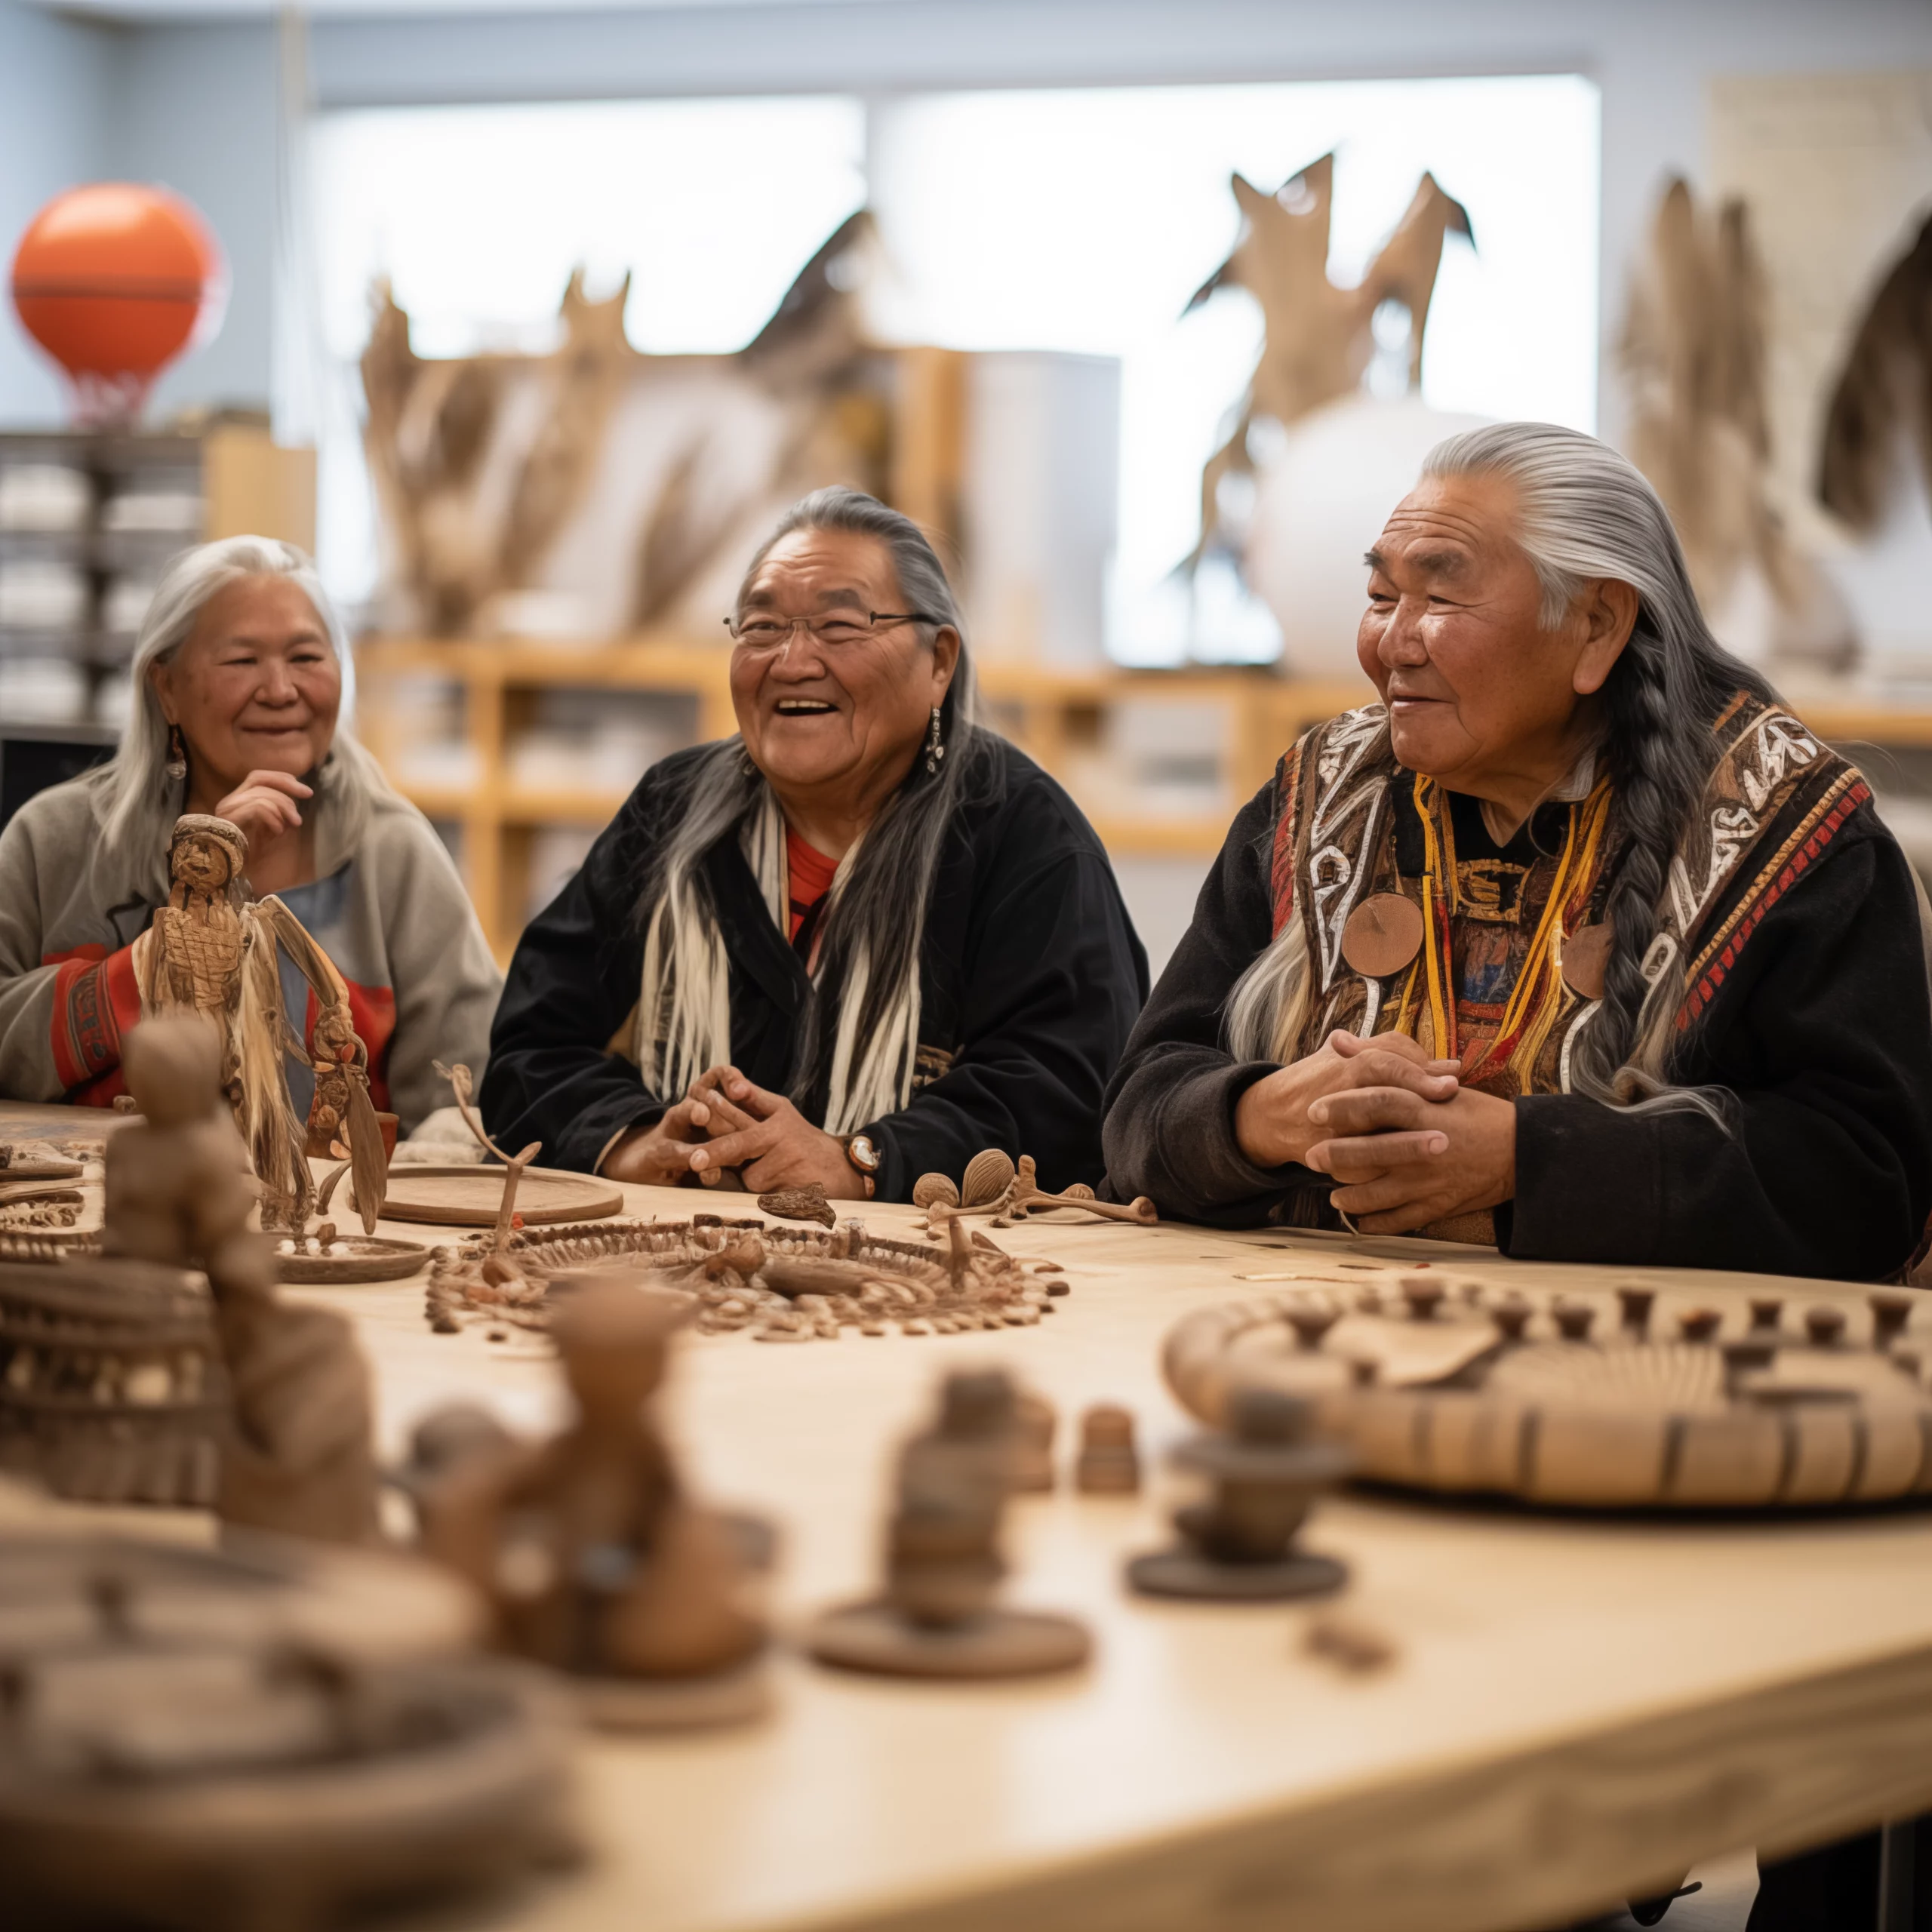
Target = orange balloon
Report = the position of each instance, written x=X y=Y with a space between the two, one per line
x=113 y=281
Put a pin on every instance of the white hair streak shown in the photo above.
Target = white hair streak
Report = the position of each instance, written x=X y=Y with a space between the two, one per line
x=1268 y=1006
x=684 y=1013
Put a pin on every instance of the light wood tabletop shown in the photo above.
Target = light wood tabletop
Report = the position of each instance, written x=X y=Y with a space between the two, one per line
x=1578 y=1710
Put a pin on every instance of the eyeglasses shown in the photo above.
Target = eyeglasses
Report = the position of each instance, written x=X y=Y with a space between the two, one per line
x=763 y=632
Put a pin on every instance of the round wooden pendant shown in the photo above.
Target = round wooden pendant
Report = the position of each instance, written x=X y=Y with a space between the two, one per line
x=1586 y=959
x=1384 y=933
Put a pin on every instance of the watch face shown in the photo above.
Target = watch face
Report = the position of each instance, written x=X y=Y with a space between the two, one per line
x=862 y=1153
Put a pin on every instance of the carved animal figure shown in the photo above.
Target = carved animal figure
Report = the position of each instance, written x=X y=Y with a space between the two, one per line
x=634 y=484
x=1318 y=343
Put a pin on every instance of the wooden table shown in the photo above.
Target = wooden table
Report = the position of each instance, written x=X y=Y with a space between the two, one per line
x=1581 y=1708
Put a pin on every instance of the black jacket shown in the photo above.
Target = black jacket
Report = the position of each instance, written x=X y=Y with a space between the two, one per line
x=1031 y=976
x=1821 y=1028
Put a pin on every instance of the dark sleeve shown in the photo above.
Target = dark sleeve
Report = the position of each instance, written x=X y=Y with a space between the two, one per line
x=571 y=985
x=1170 y=1131
x=1824 y=1044
x=1053 y=977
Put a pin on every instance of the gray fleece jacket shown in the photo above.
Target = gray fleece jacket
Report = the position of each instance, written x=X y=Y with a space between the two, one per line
x=386 y=905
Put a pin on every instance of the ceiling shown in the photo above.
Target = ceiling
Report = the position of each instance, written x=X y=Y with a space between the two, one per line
x=140 y=10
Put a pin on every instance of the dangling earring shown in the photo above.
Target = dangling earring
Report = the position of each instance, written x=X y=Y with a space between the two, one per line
x=177 y=766
x=935 y=748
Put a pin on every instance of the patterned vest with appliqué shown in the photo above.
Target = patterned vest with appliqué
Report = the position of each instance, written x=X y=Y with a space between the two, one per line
x=1774 y=798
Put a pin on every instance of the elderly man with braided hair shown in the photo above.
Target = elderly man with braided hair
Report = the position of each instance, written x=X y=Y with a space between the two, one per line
x=1578 y=942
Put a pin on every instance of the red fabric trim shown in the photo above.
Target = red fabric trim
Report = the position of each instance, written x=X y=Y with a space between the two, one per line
x=810 y=875
x=372 y=1010
x=1701 y=994
x=95 y=1001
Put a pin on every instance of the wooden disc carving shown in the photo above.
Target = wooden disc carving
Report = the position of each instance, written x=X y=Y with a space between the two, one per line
x=350 y=1258
x=1586 y=959
x=470 y=1197
x=1384 y=933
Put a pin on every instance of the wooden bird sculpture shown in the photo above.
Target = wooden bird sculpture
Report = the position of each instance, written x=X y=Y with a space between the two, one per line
x=1319 y=340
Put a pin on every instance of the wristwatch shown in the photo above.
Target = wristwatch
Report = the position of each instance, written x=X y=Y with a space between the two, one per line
x=863 y=1155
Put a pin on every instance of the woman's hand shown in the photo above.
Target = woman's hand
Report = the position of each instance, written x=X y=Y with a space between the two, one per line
x=659 y=1155
x=1406 y=1161
x=766 y=1139
x=264 y=806
x=1273 y=1121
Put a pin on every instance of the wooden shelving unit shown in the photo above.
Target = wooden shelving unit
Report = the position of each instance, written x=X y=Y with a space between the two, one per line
x=1059 y=718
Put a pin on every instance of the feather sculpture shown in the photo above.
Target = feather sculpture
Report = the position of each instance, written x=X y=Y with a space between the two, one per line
x=1319 y=340
x=628 y=485
x=1693 y=356
x=1885 y=389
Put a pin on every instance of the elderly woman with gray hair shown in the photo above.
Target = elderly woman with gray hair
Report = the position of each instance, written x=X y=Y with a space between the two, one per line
x=862 y=939
x=1577 y=942
x=237 y=677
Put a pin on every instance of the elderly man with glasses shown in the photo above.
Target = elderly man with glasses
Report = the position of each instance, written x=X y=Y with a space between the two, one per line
x=859 y=942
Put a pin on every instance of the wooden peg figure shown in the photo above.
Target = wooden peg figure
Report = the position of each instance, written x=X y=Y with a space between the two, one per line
x=297 y=1456
x=938 y=1615
x=594 y=1559
x=1263 y=1477
x=1108 y=1465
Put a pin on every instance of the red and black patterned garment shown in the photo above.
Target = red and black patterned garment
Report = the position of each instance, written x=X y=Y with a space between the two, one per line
x=1792 y=917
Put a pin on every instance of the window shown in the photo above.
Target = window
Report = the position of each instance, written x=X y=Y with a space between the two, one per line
x=478 y=215
x=1075 y=220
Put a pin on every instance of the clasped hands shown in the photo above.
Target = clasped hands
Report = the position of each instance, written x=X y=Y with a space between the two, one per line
x=1410 y=1143
x=726 y=1132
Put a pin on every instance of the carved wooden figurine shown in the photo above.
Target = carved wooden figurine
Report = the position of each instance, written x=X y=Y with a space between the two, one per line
x=213 y=952
x=1264 y=1473
x=596 y=1561
x=939 y=1616
x=297 y=1455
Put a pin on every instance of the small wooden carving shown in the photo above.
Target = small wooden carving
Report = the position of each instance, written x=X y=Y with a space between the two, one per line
x=503 y=1198
x=1108 y=1465
x=932 y=1190
x=297 y=1456
x=1356 y=1648
x=1020 y=1195
x=595 y=1560
x=800 y=1204
x=939 y=1616
x=1035 y=1425
x=1239 y=1545
x=36 y=1160
x=325 y=1257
